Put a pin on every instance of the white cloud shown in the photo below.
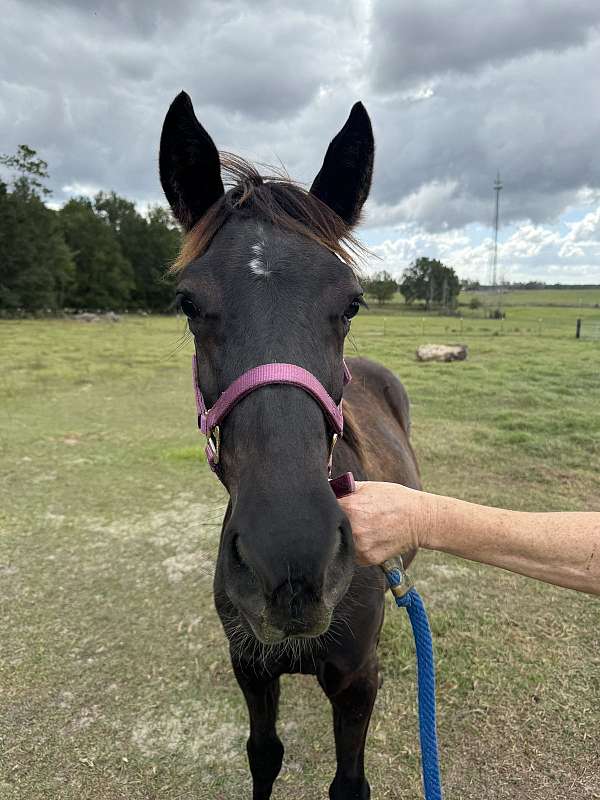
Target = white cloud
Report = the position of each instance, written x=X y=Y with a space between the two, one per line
x=529 y=252
x=433 y=37
x=77 y=189
x=429 y=201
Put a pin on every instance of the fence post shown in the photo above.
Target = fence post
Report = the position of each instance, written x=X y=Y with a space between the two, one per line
x=423 y=326
x=578 y=329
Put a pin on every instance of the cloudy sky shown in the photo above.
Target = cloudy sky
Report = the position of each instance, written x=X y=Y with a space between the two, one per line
x=456 y=90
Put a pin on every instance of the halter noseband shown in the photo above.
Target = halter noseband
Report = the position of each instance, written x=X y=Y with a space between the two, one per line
x=209 y=419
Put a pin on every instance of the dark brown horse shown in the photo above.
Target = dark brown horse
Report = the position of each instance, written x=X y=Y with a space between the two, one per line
x=265 y=275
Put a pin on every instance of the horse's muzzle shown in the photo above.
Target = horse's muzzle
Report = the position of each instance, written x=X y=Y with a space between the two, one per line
x=286 y=585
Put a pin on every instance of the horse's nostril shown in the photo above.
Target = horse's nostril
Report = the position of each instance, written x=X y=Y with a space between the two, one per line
x=235 y=551
x=345 y=532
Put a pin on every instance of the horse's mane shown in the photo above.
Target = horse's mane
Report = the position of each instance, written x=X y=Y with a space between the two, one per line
x=273 y=198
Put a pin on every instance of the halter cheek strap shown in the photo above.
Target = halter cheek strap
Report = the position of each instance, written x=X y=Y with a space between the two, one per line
x=209 y=419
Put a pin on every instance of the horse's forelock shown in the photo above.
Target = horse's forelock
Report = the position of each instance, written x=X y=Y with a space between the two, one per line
x=274 y=198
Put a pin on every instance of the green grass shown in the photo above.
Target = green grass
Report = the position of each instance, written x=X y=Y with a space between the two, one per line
x=527 y=313
x=578 y=298
x=114 y=673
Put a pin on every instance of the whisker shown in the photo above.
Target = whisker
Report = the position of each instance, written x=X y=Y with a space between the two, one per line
x=347 y=624
x=350 y=336
x=183 y=340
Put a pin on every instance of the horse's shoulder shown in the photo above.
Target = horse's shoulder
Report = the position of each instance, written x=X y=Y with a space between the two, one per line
x=372 y=378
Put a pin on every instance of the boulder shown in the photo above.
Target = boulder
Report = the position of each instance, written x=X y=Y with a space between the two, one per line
x=442 y=352
x=108 y=316
x=85 y=316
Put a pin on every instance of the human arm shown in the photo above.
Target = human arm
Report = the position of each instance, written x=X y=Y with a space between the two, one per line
x=562 y=548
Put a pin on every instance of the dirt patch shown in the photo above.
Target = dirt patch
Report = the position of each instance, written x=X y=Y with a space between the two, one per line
x=177 y=567
x=194 y=730
x=84 y=719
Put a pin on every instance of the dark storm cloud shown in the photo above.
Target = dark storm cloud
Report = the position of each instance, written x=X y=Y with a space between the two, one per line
x=538 y=122
x=89 y=88
x=415 y=41
x=467 y=90
x=455 y=90
x=119 y=17
x=253 y=58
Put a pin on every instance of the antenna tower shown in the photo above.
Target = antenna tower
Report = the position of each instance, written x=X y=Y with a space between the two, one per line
x=497 y=189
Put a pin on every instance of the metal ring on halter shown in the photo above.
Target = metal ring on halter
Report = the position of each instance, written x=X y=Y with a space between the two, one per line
x=213 y=443
x=334 y=439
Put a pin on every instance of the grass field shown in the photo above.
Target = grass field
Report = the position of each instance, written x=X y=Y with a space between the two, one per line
x=114 y=674
x=576 y=298
x=541 y=312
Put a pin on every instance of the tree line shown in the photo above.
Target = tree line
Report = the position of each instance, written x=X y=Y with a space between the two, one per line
x=427 y=279
x=101 y=253
x=90 y=254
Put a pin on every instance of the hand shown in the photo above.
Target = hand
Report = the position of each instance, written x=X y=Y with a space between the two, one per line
x=387 y=519
x=557 y=547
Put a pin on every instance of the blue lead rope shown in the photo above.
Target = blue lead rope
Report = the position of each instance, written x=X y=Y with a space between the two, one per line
x=407 y=597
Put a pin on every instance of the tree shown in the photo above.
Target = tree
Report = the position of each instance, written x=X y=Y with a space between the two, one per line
x=36 y=266
x=96 y=255
x=104 y=277
x=32 y=171
x=149 y=244
x=430 y=280
x=164 y=241
x=381 y=286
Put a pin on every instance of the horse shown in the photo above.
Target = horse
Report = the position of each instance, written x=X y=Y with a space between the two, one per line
x=267 y=274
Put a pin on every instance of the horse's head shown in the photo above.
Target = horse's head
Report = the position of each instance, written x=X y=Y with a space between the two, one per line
x=265 y=278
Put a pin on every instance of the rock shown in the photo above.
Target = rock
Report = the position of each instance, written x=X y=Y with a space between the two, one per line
x=109 y=316
x=442 y=352
x=85 y=317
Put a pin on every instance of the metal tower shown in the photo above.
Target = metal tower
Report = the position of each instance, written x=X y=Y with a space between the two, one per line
x=497 y=189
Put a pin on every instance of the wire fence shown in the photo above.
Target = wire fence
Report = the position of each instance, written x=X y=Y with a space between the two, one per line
x=589 y=329
x=524 y=323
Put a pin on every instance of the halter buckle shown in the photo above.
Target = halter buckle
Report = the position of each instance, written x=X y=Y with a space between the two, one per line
x=213 y=445
x=334 y=439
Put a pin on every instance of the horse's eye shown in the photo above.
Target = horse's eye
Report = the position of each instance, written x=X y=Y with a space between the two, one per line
x=352 y=309
x=188 y=308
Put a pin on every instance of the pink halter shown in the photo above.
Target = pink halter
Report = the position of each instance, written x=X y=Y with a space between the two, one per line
x=210 y=419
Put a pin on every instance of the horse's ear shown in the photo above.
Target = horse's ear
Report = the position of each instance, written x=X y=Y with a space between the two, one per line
x=190 y=172
x=344 y=180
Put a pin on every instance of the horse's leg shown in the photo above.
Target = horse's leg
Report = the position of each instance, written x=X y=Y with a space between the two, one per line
x=264 y=748
x=352 y=698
